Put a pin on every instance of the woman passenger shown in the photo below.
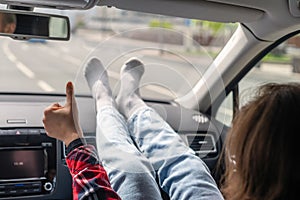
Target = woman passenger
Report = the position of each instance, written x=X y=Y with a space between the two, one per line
x=262 y=153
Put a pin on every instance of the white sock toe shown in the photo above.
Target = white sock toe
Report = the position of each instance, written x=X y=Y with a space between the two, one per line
x=129 y=98
x=97 y=79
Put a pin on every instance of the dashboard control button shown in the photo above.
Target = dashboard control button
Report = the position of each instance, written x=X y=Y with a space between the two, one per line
x=48 y=186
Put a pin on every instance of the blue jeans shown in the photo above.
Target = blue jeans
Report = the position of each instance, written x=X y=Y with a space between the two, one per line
x=134 y=152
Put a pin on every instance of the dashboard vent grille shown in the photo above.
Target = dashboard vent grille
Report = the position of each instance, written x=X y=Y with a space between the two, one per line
x=202 y=143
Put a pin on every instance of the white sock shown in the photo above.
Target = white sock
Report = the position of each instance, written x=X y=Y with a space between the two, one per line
x=97 y=79
x=129 y=99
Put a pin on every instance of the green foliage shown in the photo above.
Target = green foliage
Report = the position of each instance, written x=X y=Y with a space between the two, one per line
x=161 y=24
x=215 y=27
x=272 y=58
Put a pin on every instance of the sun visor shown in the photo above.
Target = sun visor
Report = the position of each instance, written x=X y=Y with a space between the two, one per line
x=59 y=4
x=195 y=9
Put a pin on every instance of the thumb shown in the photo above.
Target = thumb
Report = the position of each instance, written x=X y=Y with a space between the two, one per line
x=69 y=93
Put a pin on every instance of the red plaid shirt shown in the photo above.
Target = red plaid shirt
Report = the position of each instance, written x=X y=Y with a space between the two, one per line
x=90 y=180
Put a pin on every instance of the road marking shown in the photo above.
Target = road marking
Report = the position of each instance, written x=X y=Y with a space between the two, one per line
x=9 y=55
x=45 y=86
x=25 y=70
x=12 y=58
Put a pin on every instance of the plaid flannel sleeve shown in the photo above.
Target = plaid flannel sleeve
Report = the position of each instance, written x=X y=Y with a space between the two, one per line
x=90 y=180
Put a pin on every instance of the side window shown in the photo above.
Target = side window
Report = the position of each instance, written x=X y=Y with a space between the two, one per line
x=281 y=65
x=225 y=112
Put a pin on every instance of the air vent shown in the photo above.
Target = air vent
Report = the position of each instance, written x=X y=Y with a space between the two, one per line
x=202 y=143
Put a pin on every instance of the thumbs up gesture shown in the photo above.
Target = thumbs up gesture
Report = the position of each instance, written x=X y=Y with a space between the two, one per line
x=62 y=122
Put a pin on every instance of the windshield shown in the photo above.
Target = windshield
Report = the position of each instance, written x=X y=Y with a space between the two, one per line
x=175 y=51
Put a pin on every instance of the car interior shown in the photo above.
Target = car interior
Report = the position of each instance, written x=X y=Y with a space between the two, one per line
x=203 y=59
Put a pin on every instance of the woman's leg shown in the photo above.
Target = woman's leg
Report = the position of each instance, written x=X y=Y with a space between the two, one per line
x=182 y=174
x=130 y=173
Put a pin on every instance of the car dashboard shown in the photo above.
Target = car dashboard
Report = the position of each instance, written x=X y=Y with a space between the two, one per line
x=33 y=164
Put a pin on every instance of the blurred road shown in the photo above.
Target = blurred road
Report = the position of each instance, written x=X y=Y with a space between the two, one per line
x=46 y=67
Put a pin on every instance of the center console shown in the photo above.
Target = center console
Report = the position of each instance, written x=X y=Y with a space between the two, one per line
x=28 y=165
x=32 y=165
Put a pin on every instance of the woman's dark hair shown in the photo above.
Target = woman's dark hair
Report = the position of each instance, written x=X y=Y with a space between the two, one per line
x=261 y=150
x=8 y=18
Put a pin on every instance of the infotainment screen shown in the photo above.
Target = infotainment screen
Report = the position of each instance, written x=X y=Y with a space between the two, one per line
x=21 y=163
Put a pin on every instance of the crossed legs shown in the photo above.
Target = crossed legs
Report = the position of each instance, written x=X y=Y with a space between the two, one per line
x=134 y=151
x=130 y=173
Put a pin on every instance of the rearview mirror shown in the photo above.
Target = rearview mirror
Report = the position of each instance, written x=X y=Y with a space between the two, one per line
x=26 y=25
